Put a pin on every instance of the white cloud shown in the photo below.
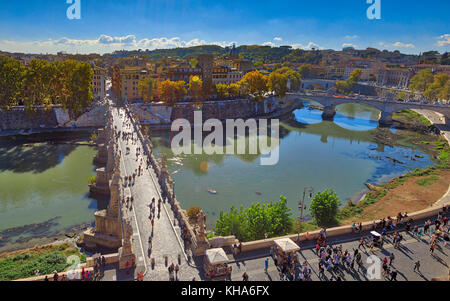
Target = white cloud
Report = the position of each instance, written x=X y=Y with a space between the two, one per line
x=278 y=39
x=403 y=45
x=310 y=46
x=103 y=44
x=444 y=40
x=349 y=45
x=397 y=45
x=271 y=44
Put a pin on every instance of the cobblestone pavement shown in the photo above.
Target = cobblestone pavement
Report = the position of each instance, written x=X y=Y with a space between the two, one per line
x=165 y=237
x=412 y=249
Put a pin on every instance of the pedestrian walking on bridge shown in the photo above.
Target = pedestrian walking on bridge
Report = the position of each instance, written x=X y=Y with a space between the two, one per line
x=417 y=266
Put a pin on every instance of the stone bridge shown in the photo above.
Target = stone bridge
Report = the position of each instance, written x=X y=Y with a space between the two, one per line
x=386 y=107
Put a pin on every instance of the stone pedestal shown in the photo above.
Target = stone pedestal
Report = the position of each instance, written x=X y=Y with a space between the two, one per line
x=328 y=113
x=127 y=256
x=385 y=119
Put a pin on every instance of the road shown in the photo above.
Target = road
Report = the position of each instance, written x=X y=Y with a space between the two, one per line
x=411 y=250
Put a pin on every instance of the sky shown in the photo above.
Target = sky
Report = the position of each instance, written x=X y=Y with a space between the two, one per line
x=42 y=26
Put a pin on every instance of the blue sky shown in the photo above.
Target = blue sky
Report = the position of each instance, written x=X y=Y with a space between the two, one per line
x=42 y=25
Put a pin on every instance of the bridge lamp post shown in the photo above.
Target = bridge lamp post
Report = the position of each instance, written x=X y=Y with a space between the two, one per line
x=309 y=192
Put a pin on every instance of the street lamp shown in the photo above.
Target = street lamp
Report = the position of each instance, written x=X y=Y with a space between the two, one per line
x=309 y=192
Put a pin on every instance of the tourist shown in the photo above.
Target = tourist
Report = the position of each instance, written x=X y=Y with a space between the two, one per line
x=394 y=275
x=55 y=276
x=177 y=269
x=417 y=266
x=361 y=243
x=391 y=259
x=245 y=277
x=432 y=246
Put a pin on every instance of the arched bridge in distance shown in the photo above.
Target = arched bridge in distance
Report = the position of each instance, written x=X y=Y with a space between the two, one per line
x=386 y=107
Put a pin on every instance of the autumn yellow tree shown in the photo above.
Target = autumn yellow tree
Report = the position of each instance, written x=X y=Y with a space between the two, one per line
x=222 y=90
x=147 y=88
x=255 y=83
x=195 y=87
x=277 y=83
x=234 y=90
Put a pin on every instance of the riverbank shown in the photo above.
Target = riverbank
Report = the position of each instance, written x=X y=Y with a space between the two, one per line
x=57 y=256
x=414 y=191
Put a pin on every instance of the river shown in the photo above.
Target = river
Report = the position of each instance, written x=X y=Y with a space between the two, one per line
x=43 y=188
x=342 y=155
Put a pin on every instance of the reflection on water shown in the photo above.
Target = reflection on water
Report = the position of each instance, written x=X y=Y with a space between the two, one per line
x=43 y=189
x=341 y=155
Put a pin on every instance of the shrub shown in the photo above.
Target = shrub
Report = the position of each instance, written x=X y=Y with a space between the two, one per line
x=192 y=213
x=324 y=207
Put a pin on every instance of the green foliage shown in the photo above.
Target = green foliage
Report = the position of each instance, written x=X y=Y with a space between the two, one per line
x=347 y=85
x=421 y=80
x=273 y=219
x=94 y=137
x=148 y=88
x=92 y=180
x=24 y=265
x=427 y=181
x=293 y=76
x=324 y=207
x=278 y=83
x=44 y=83
x=409 y=116
x=11 y=77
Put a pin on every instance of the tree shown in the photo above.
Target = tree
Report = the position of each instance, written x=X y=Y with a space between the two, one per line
x=255 y=83
x=234 y=90
x=437 y=89
x=11 y=77
x=294 y=77
x=147 y=88
x=195 y=87
x=273 y=219
x=39 y=81
x=222 y=90
x=80 y=90
x=171 y=92
x=324 y=207
x=305 y=71
x=421 y=81
x=347 y=85
x=277 y=83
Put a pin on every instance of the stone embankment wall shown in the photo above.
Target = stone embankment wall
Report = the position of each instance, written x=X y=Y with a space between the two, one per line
x=56 y=117
x=160 y=114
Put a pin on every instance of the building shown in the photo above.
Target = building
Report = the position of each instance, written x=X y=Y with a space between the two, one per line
x=244 y=66
x=183 y=72
x=226 y=75
x=436 y=69
x=206 y=62
x=394 y=77
x=98 y=82
x=125 y=82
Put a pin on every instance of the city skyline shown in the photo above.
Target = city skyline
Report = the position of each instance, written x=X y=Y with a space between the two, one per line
x=106 y=26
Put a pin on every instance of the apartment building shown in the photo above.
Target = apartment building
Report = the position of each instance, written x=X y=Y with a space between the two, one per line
x=98 y=82
x=125 y=82
x=226 y=75
x=394 y=77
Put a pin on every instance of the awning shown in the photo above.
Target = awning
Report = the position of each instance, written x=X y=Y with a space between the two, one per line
x=287 y=245
x=216 y=256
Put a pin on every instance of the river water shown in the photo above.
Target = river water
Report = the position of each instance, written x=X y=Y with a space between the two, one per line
x=44 y=192
x=43 y=189
x=342 y=155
